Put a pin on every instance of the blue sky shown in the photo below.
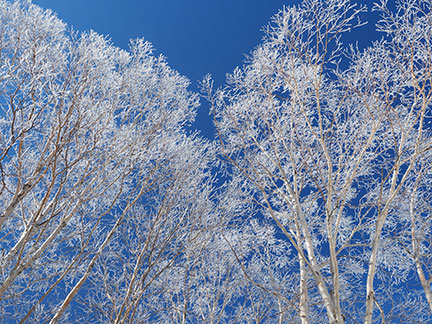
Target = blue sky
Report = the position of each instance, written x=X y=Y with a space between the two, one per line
x=196 y=36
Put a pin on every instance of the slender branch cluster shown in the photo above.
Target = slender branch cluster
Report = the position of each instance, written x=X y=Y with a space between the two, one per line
x=110 y=211
x=100 y=188
x=334 y=158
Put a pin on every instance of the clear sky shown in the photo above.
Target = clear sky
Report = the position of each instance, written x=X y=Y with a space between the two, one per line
x=196 y=36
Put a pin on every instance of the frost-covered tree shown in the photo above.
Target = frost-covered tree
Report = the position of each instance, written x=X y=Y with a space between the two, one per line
x=333 y=146
x=108 y=208
x=143 y=261
x=99 y=183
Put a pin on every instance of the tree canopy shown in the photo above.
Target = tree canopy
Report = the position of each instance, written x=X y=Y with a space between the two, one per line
x=312 y=204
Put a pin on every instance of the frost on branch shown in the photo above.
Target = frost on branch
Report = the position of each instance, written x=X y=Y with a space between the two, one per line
x=337 y=159
x=91 y=147
x=110 y=211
